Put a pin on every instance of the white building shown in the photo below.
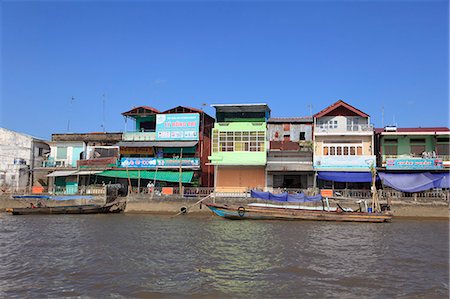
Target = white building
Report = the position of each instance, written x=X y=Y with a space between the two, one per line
x=20 y=154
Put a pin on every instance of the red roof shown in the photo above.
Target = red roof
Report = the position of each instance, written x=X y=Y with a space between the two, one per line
x=341 y=108
x=141 y=110
x=415 y=130
x=182 y=109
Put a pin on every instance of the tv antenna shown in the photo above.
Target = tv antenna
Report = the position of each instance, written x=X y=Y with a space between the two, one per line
x=70 y=110
x=310 y=106
x=103 y=112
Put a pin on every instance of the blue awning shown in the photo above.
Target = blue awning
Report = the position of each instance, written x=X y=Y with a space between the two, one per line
x=415 y=182
x=345 y=176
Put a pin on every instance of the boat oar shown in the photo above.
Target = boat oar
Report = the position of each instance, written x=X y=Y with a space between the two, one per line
x=185 y=210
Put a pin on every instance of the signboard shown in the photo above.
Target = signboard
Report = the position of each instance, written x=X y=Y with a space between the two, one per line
x=326 y=193
x=182 y=126
x=414 y=164
x=163 y=162
x=344 y=162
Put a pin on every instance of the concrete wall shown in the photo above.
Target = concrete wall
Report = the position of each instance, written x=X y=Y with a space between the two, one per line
x=15 y=148
x=294 y=132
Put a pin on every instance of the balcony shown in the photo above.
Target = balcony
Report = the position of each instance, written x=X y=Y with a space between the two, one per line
x=139 y=136
x=290 y=146
x=347 y=130
x=51 y=162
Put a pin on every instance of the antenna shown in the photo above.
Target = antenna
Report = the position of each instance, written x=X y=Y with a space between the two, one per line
x=70 y=110
x=103 y=113
x=310 y=106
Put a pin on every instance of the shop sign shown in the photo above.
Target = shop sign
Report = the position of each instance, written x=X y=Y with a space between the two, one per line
x=153 y=162
x=414 y=164
x=344 y=162
x=182 y=126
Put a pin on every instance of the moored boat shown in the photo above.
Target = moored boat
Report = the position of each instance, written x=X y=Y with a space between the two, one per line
x=272 y=212
x=111 y=207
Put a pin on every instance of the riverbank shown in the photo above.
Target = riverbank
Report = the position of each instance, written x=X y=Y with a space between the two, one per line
x=172 y=205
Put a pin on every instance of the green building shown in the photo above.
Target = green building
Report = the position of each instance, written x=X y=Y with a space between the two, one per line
x=239 y=147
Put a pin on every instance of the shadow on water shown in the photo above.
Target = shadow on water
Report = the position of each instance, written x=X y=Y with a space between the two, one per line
x=146 y=256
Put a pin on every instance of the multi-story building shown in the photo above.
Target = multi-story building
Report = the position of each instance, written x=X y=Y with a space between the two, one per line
x=20 y=155
x=289 y=158
x=343 y=147
x=77 y=158
x=168 y=148
x=239 y=148
x=421 y=153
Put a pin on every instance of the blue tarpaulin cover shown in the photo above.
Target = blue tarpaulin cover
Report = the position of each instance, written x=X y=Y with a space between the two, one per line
x=285 y=197
x=345 y=176
x=415 y=182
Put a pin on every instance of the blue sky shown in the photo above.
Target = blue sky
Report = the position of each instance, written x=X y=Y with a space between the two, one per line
x=372 y=54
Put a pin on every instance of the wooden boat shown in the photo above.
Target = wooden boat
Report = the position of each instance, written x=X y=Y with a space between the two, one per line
x=114 y=207
x=281 y=212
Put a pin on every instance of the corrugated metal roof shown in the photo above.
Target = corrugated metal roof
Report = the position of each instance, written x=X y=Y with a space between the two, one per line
x=304 y=119
x=62 y=173
x=413 y=130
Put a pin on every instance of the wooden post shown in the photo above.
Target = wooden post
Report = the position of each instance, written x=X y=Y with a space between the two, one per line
x=139 y=181
x=129 y=180
x=154 y=181
x=180 y=184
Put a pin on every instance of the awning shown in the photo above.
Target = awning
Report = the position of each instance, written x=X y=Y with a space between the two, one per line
x=157 y=143
x=415 y=182
x=167 y=176
x=87 y=172
x=62 y=173
x=345 y=176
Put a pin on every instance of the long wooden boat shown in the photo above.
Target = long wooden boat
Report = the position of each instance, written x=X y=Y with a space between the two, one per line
x=237 y=212
x=116 y=207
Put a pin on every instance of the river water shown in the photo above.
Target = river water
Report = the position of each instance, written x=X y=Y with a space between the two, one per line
x=147 y=256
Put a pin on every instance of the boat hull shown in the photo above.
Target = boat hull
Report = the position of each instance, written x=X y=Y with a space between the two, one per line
x=270 y=213
x=80 y=209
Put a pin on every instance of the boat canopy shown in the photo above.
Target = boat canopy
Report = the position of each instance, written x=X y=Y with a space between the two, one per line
x=415 y=182
x=286 y=197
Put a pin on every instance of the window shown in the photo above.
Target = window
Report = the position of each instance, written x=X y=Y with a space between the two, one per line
x=417 y=146
x=238 y=141
x=40 y=152
x=342 y=150
x=359 y=151
x=442 y=149
x=302 y=136
x=61 y=153
x=390 y=147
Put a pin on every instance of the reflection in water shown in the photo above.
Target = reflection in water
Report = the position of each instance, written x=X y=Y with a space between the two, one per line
x=149 y=256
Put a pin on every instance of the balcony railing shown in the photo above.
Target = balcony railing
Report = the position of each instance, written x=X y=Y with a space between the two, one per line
x=139 y=136
x=55 y=163
x=346 y=129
